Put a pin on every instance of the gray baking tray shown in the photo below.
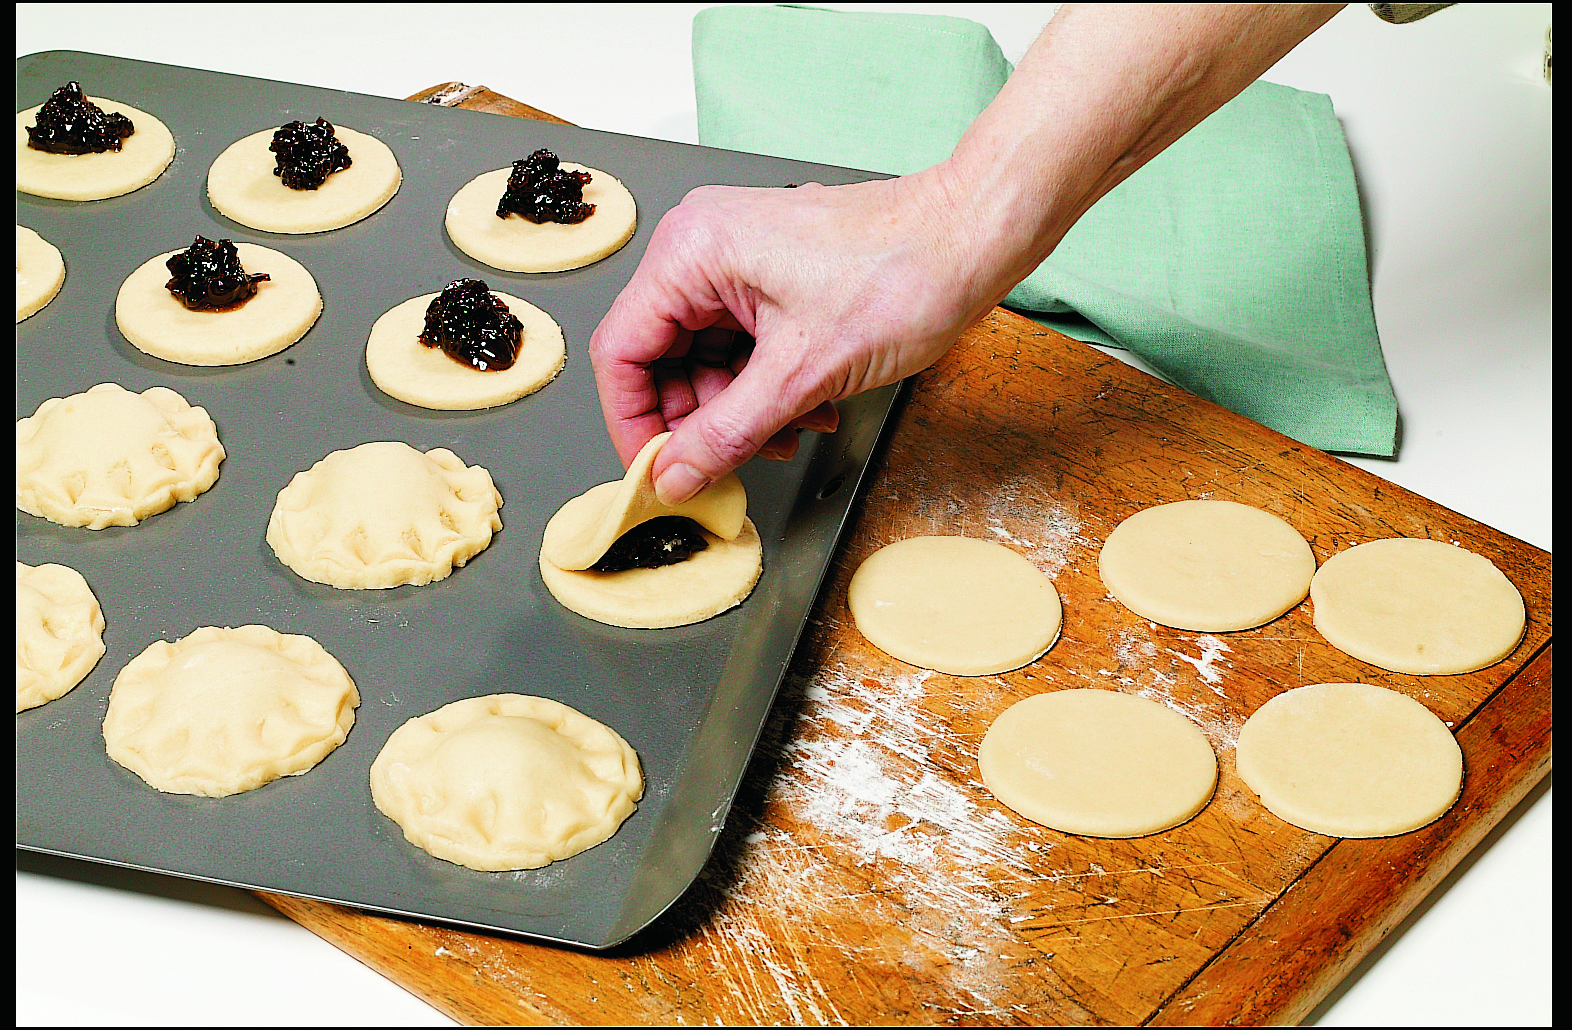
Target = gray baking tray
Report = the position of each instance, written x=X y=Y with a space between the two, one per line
x=691 y=701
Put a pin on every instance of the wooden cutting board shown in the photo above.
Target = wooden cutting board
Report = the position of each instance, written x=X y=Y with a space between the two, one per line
x=866 y=876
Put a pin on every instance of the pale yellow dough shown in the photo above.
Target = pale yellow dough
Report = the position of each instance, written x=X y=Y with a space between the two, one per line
x=516 y=244
x=407 y=369
x=280 y=312
x=40 y=272
x=142 y=157
x=955 y=604
x=1350 y=760
x=242 y=186
x=1422 y=607
x=59 y=632
x=227 y=710
x=506 y=781
x=1098 y=763
x=383 y=514
x=1211 y=566
x=109 y=457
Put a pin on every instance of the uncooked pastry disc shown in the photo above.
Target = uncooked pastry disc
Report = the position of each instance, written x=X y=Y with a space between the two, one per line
x=516 y=244
x=59 y=632
x=242 y=186
x=1098 y=763
x=955 y=604
x=1350 y=760
x=142 y=157
x=40 y=271
x=1422 y=607
x=1211 y=566
x=405 y=368
x=280 y=312
x=506 y=781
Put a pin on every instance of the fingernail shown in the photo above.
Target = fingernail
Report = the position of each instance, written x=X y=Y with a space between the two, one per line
x=679 y=483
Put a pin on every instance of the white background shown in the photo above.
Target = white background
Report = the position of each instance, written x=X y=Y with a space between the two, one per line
x=1449 y=124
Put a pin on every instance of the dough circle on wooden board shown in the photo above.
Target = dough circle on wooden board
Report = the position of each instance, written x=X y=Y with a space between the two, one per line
x=955 y=604
x=59 y=632
x=382 y=515
x=242 y=186
x=428 y=377
x=40 y=272
x=280 y=312
x=224 y=711
x=1210 y=566
x=142 y=157
x=1098 y=763
x=110 y=457
x=515 y=244
x=1422 y=607
x=506 y=781
x=1350 y=760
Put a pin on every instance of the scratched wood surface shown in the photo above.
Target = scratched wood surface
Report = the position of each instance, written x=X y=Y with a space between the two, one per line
x=866 y=876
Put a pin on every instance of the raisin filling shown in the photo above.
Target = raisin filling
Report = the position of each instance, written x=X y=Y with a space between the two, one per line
x=541 y=191
x=473 y=327
x=69 y=123
x=308 y=154
x=208 y=276
x=661 y=541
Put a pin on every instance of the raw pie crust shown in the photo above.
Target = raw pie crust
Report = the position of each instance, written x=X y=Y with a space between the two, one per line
x=280 y=312
x=40 y=272
x=242 y=186
x=506 y=781
x=109 y=457
x=59 y=632
x=383 y=514
x=1350 y=760
x=1098 y=763
x=516 y=244
x=142 y=157
x=407 y=369
x=226 y=710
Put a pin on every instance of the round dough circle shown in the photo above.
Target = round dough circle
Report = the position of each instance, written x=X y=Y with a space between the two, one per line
x=242 y=186
x=955 y=604
x=1350 y=760
x=280 y=313
x=142 y=157
x=506 y=781
x=1098 y=763
x=110 y=457
x=1422 y=607
x=40 y=272
x=224 y=711
x=382 y=515
x=516 y=244
x=1210 y=566
x=59 y=632
x=405 y=368
x=717 y=578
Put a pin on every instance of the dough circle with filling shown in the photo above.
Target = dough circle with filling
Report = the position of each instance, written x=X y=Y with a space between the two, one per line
x=515 y=244
x=407 y=369
x=1098 y=763
x=110 y=457
x=242 y=186
x=40 y=272
x=59 y=632
x=955 y=604
x=1422 y=607
x=382 y=515
x=224 y=711
x=1210 y=566
x=506 y=781
x=1350 y=760
x=280 y=312
x=142 y=157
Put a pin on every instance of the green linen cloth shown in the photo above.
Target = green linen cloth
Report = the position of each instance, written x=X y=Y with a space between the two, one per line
x=1233 y=263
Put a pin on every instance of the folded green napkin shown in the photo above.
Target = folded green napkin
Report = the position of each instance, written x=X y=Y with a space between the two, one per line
x=1234 y=262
